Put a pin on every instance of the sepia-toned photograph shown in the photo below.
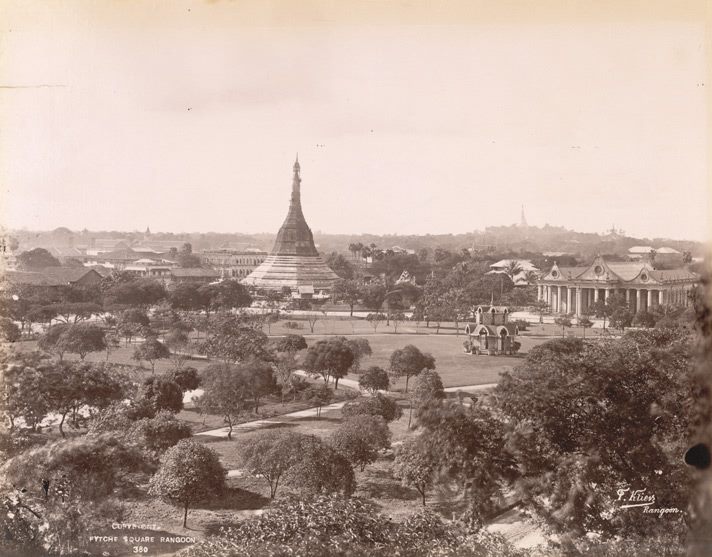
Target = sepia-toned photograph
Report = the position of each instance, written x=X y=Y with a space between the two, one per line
x=366 y=278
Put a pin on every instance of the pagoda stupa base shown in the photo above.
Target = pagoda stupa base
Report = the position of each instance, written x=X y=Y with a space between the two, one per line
x=292 y=271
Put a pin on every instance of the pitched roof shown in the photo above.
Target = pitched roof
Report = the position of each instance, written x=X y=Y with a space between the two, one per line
x=524 y=264
x=673 y=275
x=109 y=243
x=65 y=252
x=121 y=254
x=627 y=270
x=194 y=272
x=49 y=276
x=640 y=249
x=571 y=272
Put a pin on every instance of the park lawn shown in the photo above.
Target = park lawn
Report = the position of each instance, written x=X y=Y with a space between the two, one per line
x=332 y=325
x=456 y=368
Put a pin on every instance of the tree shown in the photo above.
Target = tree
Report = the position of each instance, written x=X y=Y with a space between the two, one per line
x=230 y=341
x=415 y=467
x=54 y=340
x=374 y=379
x=225 y=393
x=226 y=295
x=312 y=316
x=347 y=291
x=409 y=362
x=88 y=468
x=136 y=293
x=83 y=338
x=360 y=438
x=162 y=393
x=186 y=258
x=190 y=472
x=131 y=323
x=644 y=319
x=187 y=378
x=360 y=348
x=329 y=358
x=564 y=322
x=428 y=389
x=607 y=306
x=68 y=387
x=339 y=264
x=397 y=317
x=113 y=342
x=377 y=405
x=284 y=368
x=37 y=258
x=601 y=416
x=585 y=323
x=9 y=332
x=178 y=344
x=270 y=454
x=117 y=418
x=258 y=380
x=321 y=469
x=373 y=295
x=318 y=396
x=375 y=319
x=22 y=386
x=164 y=317
x=151 y=350
x=159 y=433
x=469 y=448
x=290 y=344
x=188 y=296
x=455 y=305
x=512 y=269
x=621 y=318
x=75 y=311
x=270 y=319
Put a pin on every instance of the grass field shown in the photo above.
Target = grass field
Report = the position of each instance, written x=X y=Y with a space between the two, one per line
x=454 y=366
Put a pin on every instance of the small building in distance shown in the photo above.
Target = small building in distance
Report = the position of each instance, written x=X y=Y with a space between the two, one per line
x=233 y=263
x=575 y=289
x=54 y=277
x=523 y=277
x=149 y=268
x=195 y=275
x=662 y=255
x=491 y=333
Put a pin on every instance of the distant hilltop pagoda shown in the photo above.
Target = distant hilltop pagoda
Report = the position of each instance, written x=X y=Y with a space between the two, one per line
x=294 y=261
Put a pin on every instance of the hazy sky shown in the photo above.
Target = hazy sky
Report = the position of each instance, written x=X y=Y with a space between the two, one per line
x=186 y=116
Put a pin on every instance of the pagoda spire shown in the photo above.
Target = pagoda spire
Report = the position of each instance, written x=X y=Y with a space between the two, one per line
x=296 y=181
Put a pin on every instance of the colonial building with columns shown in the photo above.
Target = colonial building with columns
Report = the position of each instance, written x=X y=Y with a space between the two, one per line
x=574 y=290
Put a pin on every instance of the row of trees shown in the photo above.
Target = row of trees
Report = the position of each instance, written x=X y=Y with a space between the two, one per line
x=28 y=304
x=618 y=314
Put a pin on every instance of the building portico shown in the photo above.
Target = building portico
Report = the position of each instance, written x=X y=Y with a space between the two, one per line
x=573 y=290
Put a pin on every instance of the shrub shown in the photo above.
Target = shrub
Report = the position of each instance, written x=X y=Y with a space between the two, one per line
x=374 y=379
x=187 y=378
x=360 y=438
x=160 y=432
x=377 y=405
